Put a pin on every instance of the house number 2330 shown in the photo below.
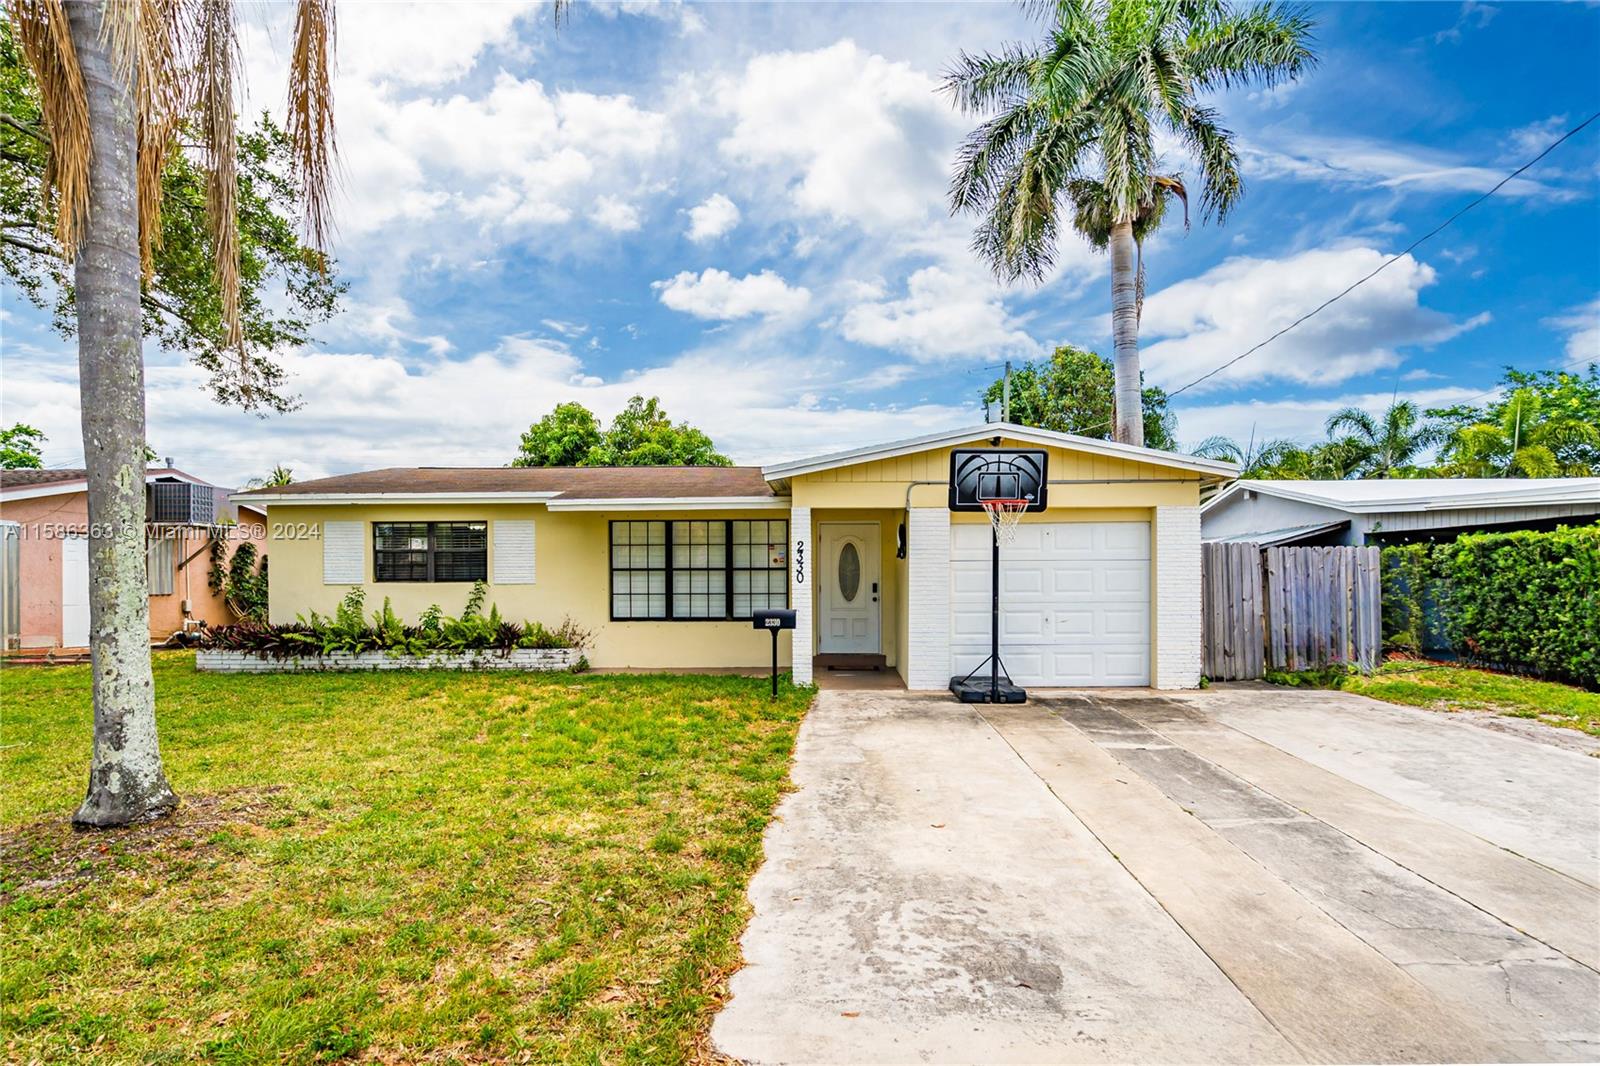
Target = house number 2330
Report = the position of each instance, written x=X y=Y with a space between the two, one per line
x=799 y=562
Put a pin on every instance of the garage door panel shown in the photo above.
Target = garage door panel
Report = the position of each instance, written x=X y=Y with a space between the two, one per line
x=1075 y=602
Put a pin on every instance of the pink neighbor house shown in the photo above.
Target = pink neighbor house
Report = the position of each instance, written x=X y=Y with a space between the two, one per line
x=44 y=553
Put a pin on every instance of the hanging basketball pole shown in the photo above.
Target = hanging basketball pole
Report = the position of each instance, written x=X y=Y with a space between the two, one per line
x=1004 y=484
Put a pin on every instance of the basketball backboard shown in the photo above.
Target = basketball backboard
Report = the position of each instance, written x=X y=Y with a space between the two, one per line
x=981 y=474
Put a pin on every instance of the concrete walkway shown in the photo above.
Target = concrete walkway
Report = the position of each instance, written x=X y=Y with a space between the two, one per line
x=1131 y=878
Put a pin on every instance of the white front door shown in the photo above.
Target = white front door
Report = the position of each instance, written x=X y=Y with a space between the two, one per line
x=848 y=599
x=75 y=592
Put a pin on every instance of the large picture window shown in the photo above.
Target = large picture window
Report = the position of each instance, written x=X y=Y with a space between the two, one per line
x=698 y=569
x=430 y=551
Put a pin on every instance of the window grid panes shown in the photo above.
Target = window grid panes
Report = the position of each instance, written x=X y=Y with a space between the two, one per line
x=638 y=570
x=698 y=569
x=430 y=551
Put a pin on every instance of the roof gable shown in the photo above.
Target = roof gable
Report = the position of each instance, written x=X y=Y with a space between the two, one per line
x=1209 y=469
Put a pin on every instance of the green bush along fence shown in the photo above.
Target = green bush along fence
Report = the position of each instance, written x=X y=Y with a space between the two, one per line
x=1525 y=601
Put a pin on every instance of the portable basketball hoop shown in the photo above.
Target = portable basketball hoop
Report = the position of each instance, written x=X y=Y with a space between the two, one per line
x=1005 y=484
x=1005 y=516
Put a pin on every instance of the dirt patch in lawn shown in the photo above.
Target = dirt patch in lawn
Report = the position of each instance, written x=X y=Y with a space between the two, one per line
x=52 y=858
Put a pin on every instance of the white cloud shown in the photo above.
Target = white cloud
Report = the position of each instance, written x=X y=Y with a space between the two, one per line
x=1297 y=419
x=711 y=219
x=1231 y=307
x=1366 y=162
x=716 y=294
x=365 y=410
x=1472 y=16
x=854 y=136
x=1582 y=327
x=615 y=215
x=944 y=315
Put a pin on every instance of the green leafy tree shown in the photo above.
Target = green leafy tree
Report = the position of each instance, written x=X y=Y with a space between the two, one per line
x=640 y=435
x=285 y=287
x=1071 y=392
x=1546 y=424
x=1266 y=459
x=564 y=437
x=1390 y=444
x=21 y=447
x=1074 y=118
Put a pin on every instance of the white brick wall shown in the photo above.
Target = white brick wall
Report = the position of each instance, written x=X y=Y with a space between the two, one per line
x=801 y=566
x=928 y=601
x=1177 y=561
x=244 y=662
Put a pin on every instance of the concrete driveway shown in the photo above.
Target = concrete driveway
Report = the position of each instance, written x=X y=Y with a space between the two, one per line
x=1233 y=875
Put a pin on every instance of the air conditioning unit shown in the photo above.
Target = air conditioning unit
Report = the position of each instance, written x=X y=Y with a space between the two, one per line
x=174 y=502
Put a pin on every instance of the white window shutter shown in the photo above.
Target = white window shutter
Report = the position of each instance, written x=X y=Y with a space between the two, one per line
x=343 y=555
x=513 y=553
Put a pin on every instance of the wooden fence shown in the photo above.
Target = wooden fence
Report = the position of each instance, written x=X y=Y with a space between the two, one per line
x=1289 y=609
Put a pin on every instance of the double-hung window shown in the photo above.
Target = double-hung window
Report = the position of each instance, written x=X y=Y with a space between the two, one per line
x=698 y=569
x=430 y=551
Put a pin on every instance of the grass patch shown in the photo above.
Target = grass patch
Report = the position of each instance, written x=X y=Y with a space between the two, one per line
x=1444 y=687
x=403 y=867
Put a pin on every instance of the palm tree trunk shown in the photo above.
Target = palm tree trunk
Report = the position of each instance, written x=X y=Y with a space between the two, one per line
x=1125 y=335
x=126 y=782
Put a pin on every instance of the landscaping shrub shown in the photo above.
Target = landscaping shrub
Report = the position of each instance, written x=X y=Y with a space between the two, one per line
x=350 y=631
x=1524 y=601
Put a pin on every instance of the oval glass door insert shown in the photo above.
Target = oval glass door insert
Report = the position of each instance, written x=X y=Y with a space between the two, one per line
x=849 y=572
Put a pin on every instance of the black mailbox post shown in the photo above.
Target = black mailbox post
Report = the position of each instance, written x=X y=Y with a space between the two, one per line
x=772 y=621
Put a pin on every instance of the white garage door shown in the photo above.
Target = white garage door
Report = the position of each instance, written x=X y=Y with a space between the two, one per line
x=1074 y=602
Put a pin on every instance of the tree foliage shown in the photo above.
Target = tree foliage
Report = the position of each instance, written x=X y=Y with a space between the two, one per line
x=1072 y=392
x=641 y=435
x=285 y=287
x=21 y=447
x=1546 y=424
x=1543 y=424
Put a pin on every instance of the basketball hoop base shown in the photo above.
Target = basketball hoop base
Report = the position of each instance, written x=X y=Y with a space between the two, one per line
x=976 y=690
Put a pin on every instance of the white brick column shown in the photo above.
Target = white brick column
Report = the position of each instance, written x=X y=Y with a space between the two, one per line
x=801 y=566
x=1177 y=557
x=928 y=601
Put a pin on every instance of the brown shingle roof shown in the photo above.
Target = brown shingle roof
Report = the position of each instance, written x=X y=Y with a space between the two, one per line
x=574 y=482
x=16 y=479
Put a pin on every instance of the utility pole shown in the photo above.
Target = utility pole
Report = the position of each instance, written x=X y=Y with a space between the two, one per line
x=1005 y=395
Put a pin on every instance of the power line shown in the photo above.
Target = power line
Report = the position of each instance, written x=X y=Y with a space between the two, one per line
x=1502 y=183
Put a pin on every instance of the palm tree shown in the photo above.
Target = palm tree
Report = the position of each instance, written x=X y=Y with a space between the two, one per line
x=1389 y=444
x=1076 y=115
x=279 y=476
x=1265 y=460
x=117 y=81
x=1524 y=441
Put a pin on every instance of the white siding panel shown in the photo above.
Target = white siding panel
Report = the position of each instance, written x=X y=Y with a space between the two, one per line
x=344 y=555
x=513 y=553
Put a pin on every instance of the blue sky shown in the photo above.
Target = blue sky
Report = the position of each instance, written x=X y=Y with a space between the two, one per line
x=739 y=208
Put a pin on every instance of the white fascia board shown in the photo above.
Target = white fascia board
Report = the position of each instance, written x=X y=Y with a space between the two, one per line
x=1028 y=434
x=324 y=498
x=674 y=503
x=35 y=492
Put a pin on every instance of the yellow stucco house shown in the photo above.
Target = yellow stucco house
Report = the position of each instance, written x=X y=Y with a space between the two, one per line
x=665 y=565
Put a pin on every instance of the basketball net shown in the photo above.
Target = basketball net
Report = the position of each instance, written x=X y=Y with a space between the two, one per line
x=1005 y=516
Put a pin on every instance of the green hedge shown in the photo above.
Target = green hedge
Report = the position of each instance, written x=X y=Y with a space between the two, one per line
x=1523 y=601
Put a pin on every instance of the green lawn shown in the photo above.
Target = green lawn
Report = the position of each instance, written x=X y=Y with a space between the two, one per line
x=1457 y=688
x=401 y=867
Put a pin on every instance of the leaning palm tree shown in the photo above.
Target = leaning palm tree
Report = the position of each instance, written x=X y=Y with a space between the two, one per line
x=1075 y=118
x=118 y=80
x=1390 y=444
